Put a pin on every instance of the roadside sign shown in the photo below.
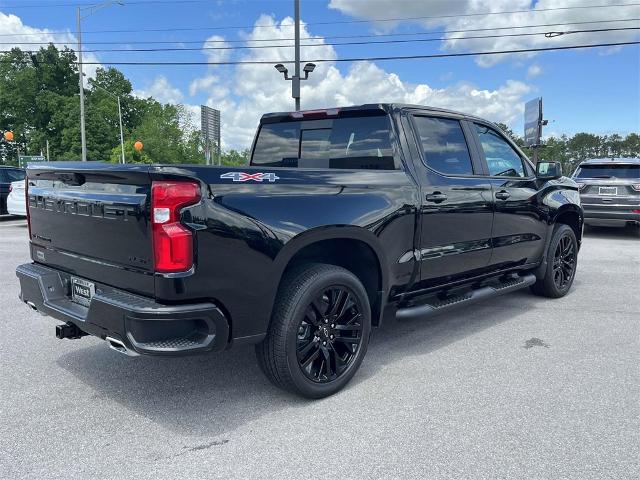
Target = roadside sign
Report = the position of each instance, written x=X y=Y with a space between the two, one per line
x=23 y=160
x=533 y=122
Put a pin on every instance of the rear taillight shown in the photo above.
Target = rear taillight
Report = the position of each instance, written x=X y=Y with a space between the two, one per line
x=636 y=187
x=10 y=188
x=172 y=241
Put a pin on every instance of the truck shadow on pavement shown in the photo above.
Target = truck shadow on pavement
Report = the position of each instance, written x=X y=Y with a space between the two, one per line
x=214 y=394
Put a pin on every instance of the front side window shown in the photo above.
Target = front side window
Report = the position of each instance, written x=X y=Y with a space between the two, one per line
x=343 y=143
x=502 y=159
x=444 y=146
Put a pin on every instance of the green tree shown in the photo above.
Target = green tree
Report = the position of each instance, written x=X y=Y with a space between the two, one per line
x=585 y=145
x=631 y=145
x=235 y=157
x=131 y=155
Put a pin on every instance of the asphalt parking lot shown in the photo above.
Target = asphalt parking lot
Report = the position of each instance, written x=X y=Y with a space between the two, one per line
x=516 y=387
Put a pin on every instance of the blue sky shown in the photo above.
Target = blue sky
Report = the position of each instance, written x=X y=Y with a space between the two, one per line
x=594 y=90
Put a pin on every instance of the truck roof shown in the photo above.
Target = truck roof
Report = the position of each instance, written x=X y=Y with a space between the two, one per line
x=367 y=107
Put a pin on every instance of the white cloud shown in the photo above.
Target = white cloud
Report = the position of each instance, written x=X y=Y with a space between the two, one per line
x=451 y=19
x=534 y=70
x=211 y=84
x=217 y=49
x=22 y=36
x=162 y=90
x=256 y=89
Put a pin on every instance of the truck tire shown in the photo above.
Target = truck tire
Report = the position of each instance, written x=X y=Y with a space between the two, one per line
x=319 y=331
x=562 y=261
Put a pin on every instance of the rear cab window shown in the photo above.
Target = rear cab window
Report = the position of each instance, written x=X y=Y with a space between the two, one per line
x=444 y=145
x=625 y=171
x=355 y=142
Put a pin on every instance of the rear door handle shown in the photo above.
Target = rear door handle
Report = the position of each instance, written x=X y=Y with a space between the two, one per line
x=502 y=195
x=436 y=197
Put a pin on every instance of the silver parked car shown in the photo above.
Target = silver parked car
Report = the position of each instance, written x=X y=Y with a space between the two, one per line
x=610 y=191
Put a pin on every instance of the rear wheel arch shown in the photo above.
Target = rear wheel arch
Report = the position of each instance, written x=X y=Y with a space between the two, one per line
x=355 y=250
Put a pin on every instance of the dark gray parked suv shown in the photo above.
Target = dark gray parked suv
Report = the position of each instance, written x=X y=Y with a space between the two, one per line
x=610 y=191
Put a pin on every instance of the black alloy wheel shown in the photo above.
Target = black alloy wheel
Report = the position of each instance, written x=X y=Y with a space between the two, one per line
x=319 y=331
x=329 y=334
x=564 y=262
x=561 y=264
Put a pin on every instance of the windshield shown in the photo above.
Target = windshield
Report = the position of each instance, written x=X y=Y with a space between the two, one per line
x=351 y=143
x=608 y=171
x=12 y=175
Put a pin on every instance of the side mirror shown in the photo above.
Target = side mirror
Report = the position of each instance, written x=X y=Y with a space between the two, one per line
x=548 y=170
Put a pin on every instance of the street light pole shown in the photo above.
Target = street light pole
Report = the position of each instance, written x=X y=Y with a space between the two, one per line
x=117 y=97
x=83 y=138
x=308 y=68
x=295 y=83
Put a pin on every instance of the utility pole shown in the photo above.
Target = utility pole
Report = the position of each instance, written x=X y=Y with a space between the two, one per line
x=83 y=138
x=121 y=134
x=295 y=84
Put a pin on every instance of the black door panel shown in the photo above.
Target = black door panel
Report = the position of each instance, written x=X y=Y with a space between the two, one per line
x=456 y=213
x=519 y=226
x=455 y=231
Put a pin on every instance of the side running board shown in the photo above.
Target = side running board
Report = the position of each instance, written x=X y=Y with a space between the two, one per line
x=437 y=305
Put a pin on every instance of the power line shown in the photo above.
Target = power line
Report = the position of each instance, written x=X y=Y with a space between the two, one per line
x=377 y=35
x=88 y=4
x=377 y=58
x=386 y=42
x=338 y=22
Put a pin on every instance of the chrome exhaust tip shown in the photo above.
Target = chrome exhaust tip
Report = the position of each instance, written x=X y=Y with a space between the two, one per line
x=118 y=346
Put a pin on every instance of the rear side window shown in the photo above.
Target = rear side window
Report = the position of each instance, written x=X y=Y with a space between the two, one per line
x=502 y=159
x=444 y=146
x=608 y=171
x=347 y=143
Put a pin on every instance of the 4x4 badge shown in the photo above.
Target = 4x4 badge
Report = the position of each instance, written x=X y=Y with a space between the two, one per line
x=246 y=177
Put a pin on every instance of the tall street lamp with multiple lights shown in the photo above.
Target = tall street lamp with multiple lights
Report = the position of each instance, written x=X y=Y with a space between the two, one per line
x=308 y=68
x=295 y=79
x=90 y=10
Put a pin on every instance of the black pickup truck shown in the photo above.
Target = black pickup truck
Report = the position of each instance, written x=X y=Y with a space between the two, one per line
x=344 y=218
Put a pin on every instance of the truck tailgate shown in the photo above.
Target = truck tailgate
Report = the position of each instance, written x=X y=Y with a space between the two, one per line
x=92 y=220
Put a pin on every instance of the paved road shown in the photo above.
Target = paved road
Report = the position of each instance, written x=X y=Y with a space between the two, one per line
x=459 y=396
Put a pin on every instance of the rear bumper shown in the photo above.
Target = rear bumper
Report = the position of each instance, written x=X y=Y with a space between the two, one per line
x=139 y=323
x=611 y=215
